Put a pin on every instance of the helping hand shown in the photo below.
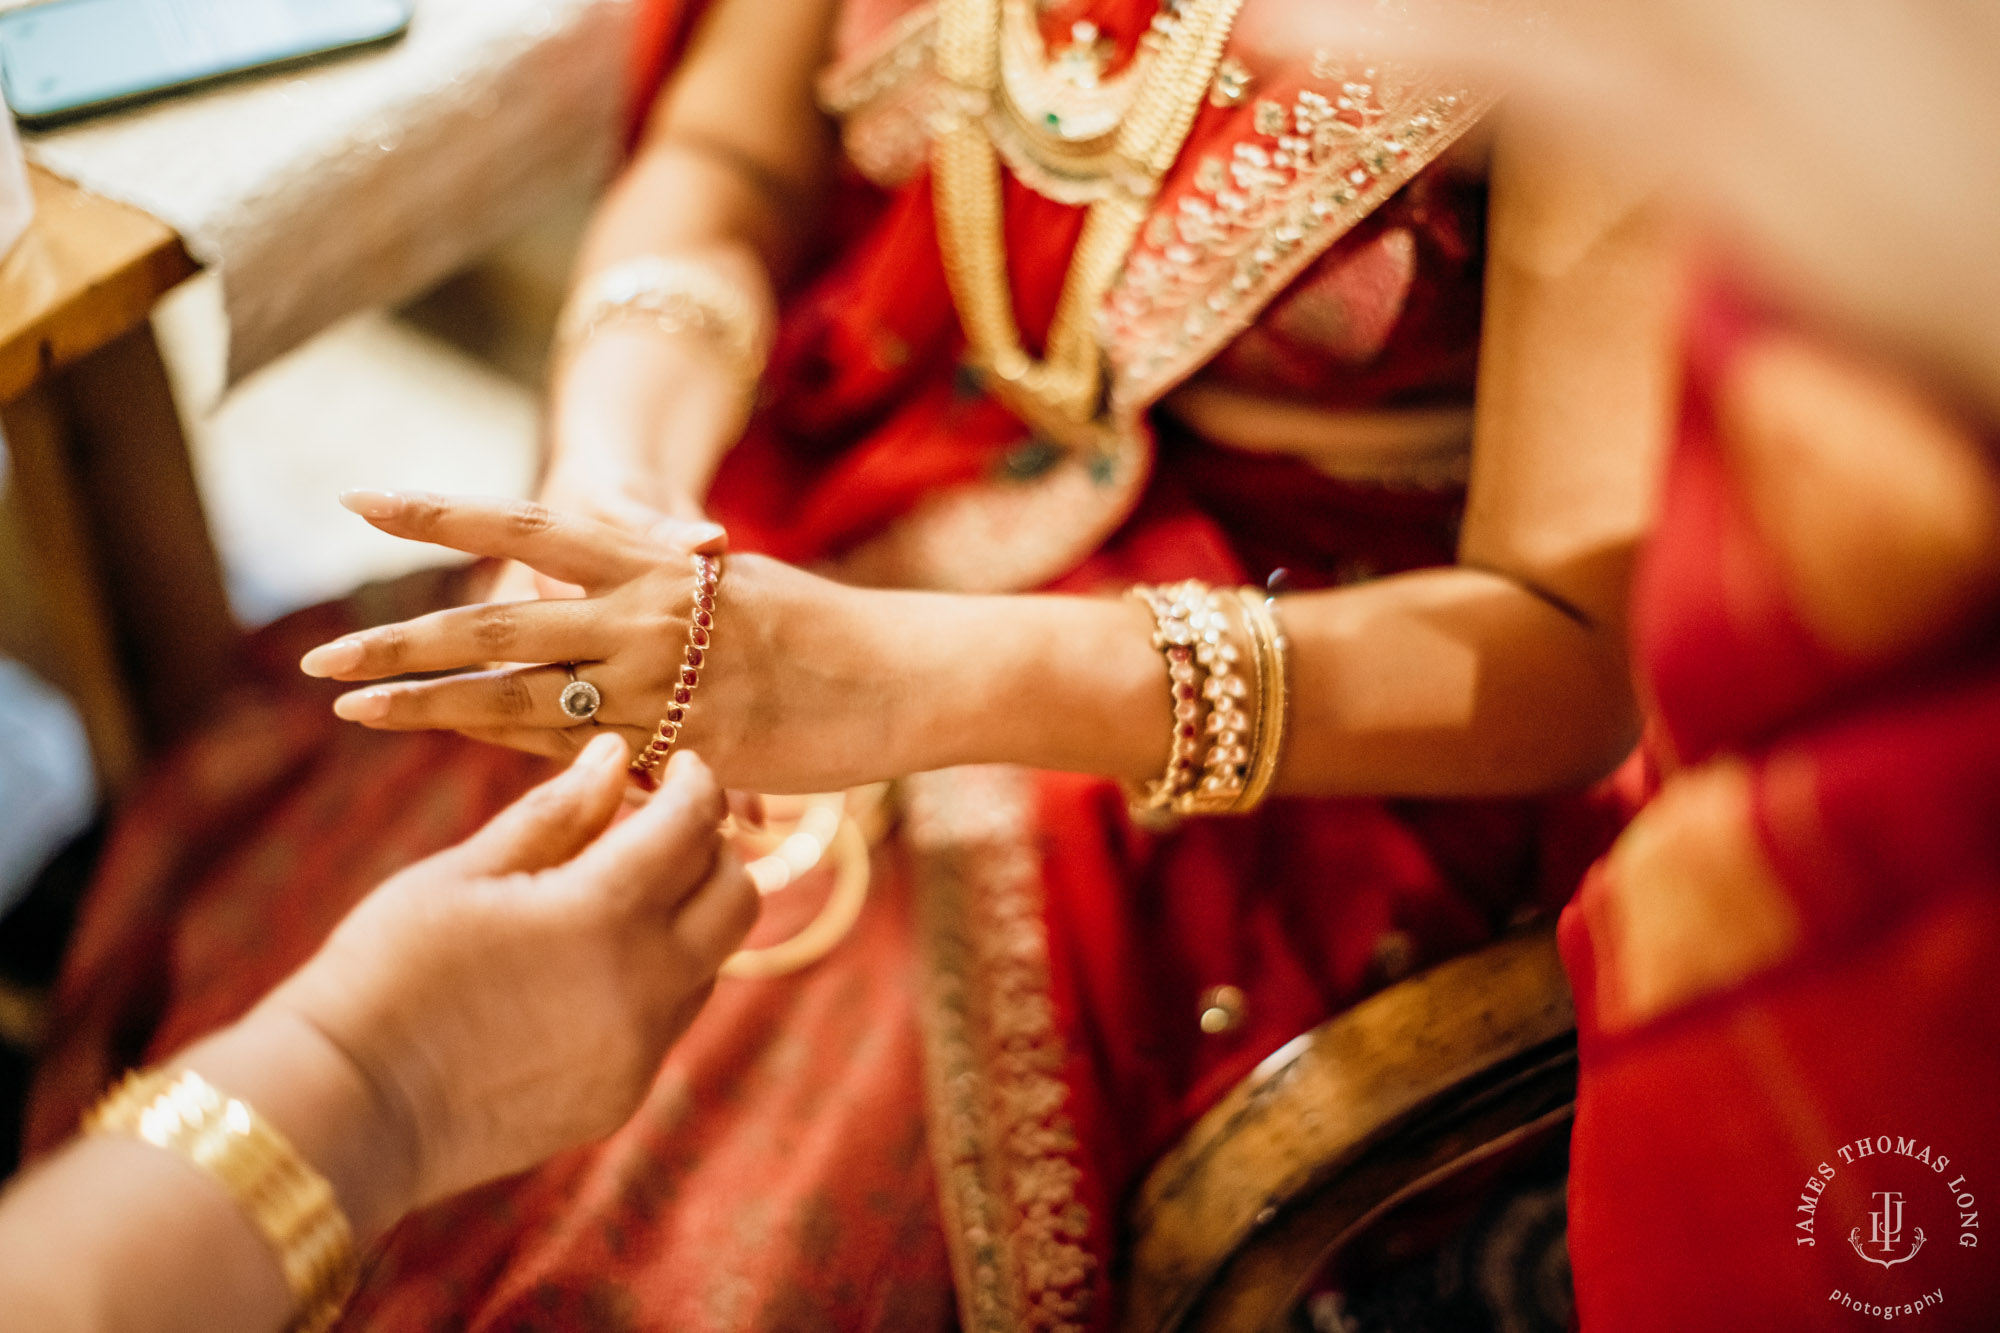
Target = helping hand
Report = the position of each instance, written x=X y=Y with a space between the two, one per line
x=514 y=995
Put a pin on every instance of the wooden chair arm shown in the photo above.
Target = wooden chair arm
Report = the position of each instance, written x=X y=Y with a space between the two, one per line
x=1405 y=1090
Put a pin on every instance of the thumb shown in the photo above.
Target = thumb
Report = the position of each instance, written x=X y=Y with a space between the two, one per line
x=554 y=821
x=667 y=847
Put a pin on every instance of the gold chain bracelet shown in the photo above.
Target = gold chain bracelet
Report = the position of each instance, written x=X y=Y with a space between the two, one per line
x=292 y=1206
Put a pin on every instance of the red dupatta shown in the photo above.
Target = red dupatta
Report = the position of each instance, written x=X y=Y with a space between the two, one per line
x=1764 y=1153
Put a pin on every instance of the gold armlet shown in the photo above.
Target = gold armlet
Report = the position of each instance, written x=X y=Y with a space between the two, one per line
x=292 y=1206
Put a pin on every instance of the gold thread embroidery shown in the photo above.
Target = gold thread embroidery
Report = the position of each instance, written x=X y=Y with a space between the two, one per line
x=900 y=52
x=886 y=96
x=1254 y=220
x=1001 y=1133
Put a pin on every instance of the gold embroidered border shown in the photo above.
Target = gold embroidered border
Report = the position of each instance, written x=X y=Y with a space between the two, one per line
x=1001 y=1135
x=885 y=96
x=1238 y=223
x=1262 y=209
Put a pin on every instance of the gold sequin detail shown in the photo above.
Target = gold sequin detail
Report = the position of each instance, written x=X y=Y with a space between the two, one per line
x=1232 y=82
x=1256 y=217
x=1002 y=1137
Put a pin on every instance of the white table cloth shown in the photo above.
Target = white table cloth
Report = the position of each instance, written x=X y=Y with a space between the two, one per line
x=317 y=192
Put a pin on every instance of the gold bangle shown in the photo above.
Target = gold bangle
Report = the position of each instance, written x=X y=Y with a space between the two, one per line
x=675 y=296
x=840 y=827
x=292 y=1206
x=1274 y=694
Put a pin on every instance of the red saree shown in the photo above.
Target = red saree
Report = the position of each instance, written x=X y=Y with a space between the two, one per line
x=954 y=1104
x=1801 y=1139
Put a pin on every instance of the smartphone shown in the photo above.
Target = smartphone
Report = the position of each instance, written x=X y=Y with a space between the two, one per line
x=69 y=58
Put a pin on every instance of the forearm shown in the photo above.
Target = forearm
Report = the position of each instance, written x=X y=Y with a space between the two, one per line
x=629 y=402
x=729 y=173
x=1070 y=683
x=116 y=1234
x=1449 y=682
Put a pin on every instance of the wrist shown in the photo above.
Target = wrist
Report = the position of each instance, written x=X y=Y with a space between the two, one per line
x=336 y=1116
x=644 y=403
x=1057 y=682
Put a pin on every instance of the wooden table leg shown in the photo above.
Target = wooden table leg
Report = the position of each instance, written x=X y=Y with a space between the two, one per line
x=67 y=634
x=138 y=624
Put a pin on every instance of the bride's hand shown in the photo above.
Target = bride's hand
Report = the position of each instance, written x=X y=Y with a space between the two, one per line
x=794 y=661
x=593 y=486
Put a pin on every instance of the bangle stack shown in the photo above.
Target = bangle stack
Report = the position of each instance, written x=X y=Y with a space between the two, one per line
x=645 y=767
x=1223 y=758
x=1274 y=693
x=291 y=1205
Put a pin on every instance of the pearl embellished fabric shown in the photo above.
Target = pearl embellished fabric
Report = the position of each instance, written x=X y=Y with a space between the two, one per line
x=334 y=188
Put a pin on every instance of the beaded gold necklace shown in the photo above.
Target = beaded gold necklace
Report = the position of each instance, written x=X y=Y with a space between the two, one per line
x=1117 y=166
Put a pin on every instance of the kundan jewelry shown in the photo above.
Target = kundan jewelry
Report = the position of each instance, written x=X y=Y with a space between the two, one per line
x=580 y=699
x=1181 y=622
x=292 y=1206
x=645 y=767
x=1222 y=757
x=1055 y=119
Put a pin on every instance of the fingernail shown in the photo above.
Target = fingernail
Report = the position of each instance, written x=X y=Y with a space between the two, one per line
x=331 y=659
x=362 y=706
x=372 y=504
x=603 y=751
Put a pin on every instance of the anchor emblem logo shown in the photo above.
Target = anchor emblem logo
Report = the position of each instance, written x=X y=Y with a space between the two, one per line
x=1885 y=1231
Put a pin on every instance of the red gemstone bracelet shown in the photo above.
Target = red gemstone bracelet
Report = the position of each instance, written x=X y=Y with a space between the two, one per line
x=646 y=764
